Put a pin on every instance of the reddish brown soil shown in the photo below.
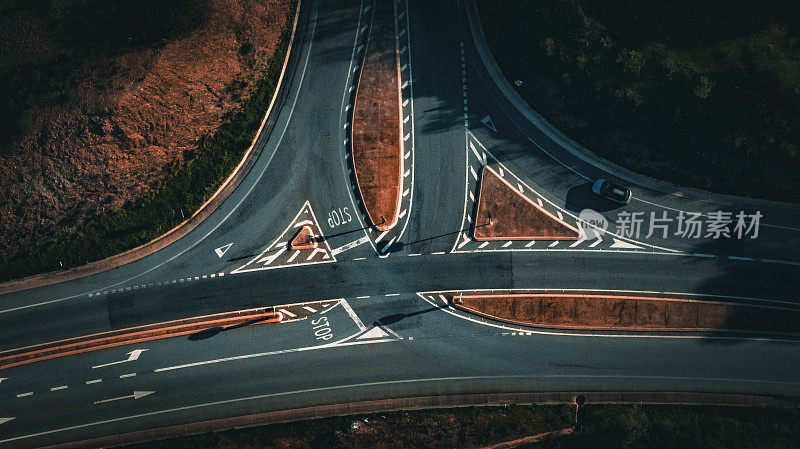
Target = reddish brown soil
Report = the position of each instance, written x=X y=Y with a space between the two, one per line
x=304 y=239
x=503 y=213
x=376 y=139
x=133 y=116
x=631 y=313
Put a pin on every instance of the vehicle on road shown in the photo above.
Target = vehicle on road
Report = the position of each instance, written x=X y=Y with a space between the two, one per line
x=612 y=191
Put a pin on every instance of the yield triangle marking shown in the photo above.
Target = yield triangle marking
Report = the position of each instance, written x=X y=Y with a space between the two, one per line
x=505 y=213
x=488 y=122
x=373 y=333
x=5 y=420
x=223 y=249
x=621 y=244
x=292 y=246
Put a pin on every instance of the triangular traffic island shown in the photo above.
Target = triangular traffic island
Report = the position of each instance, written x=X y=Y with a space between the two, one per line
x=303 y=239
x=504 y=213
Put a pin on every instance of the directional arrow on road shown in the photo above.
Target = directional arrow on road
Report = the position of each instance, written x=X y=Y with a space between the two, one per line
x=2 y=379
x=222 y=249
x=133 y=355
x=5 y=420
x=135 y=395
x=488 y=122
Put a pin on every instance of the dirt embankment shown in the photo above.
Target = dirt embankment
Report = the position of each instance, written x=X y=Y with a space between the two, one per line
x=102 y=122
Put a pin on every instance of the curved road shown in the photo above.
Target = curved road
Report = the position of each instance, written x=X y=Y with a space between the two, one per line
x=382 y=330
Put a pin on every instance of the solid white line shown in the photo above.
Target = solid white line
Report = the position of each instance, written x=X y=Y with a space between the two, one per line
x=364 y=385
x=287 y=313
x=353 y=315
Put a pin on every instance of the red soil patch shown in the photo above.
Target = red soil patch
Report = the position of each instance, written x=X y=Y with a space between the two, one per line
x=130 y=118
x=304 y=239
x=595 y=311
x=376 y=131
x=504 y=213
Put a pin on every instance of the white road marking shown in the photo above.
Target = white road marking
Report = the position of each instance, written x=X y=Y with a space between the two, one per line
x=5 y=420
x=287 y=313
x=132 y=356
x=402 y=213
x=622 y=244
x=381 y=236
x=222 y=249
x=529 y=244
x=375 y=332
x=392 y=294
x=408 y=172
x=349 y=246
x=560 y=217
x=474 y=175
x=405 y=103
x=269 y=259
x=407 y=155
x=405 y=193
x=62 y=387
x=315 y=252
x=739 y=258
x=539 y=200
x=553 y=244
x=483 y=245
x=294 y=256
x=310 y=309
x=507 y=244
x=95 y=381
x=362 y=297
x=125 y=376
x=353 y=315
x=461 y=245
x=135 y=395
x=414 y=254
x=22 y=395
x=577 y=242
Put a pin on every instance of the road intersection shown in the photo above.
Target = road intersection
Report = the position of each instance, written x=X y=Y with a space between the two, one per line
x=382 y=330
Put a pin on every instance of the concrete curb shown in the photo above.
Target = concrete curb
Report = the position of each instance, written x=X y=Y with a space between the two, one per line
x=516 y=100
x=423 y=402
x=635 y=330
x=529 y=201
x=105 y=340
x=395 y=216
x=205 y=210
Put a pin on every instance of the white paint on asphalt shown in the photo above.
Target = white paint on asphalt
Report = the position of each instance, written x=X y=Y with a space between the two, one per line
x=222 y=250
x=132 y=356
x=135 y=395
x=349 y=246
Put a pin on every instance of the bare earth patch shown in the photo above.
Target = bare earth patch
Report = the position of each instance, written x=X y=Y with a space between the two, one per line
x=601 y=311
x=132 y=118
x=503 y=213
x=377 y=144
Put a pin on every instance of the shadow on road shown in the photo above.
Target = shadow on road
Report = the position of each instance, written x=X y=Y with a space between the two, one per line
x=393 y=319
x=581 y=197
x=213 y=331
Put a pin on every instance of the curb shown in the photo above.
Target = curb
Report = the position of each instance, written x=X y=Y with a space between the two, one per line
x=423 y=402
x=174 y=234
x=138 y=334
x=633 y=330
x=395 y=219
x=577 y=150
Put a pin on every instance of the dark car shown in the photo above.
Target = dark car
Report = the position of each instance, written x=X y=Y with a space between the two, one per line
x=612 y=192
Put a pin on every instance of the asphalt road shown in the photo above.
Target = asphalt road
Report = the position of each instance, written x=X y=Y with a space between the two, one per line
x=420 y=346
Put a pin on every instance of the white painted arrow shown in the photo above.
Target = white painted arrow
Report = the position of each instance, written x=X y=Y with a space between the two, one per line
x=488 y=122
x=2 y=379
x=133 y=355
x=135 y=395
x=223 y=249
x=620 y=244
x=5 y=420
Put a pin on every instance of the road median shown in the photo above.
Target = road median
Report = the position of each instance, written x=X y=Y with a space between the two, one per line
x=105 y=340
x=377 y=141
x=631 y=313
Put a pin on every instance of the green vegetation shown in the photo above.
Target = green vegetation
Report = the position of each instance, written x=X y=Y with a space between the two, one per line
x=41 y=68
x=181 y=193
x=703 y=93
x=606 y=426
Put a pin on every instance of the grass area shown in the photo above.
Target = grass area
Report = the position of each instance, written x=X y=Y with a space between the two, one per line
x=605 y=426
x=181 y=193
x=40 y=68
x=703 y=93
